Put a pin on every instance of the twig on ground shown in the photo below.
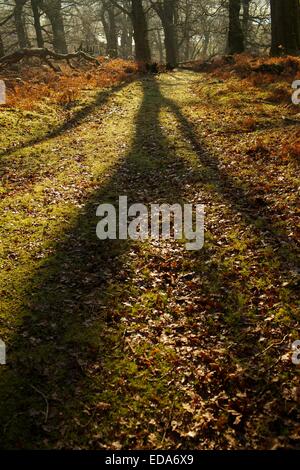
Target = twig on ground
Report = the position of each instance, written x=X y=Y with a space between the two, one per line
x=271 y=346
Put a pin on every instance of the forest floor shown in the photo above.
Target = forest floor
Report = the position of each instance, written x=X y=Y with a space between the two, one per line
x=144 y=345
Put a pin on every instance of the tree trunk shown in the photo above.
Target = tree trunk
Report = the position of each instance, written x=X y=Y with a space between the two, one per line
x=2 y=50
x=59 y=38
x=187 y=48
x=140 y=32
x=18 y=16
x=285 y=27
x=37 y=23
x=170 y=45
x=205 y=44
x=160 y=47
x=110 y=30
x=130 y=42
x=246 y=16
x=235 y=34
x=52 y=8
x=167 y=13
x=126 y=37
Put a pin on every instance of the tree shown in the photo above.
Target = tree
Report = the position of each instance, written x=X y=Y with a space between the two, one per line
x=140 y=31
x=2 y=50
x=19 y=22
x=3 y=22
x=109 y=25
x=285 y=17
x=171 y=31
x=126 y=36
x=166 y=10
x=35 y=4
x=246 y=15
x=138 y=18
x=235 y=34
x=53 y=10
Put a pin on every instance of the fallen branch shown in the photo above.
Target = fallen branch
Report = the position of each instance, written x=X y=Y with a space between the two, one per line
x=45 y=55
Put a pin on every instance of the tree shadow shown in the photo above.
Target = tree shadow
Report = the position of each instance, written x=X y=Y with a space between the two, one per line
x=71 y=290
x=101 y=98
x=252 y=207
x=55 y=361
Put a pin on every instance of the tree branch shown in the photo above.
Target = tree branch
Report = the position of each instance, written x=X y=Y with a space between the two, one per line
x=3 y=22
x=123 y=9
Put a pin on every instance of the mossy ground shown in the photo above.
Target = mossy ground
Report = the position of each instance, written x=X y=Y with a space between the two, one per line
x=145 y=345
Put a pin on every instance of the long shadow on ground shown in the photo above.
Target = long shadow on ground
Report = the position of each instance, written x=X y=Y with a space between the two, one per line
x=101 y=98
x=44 y=357
x=55 y=370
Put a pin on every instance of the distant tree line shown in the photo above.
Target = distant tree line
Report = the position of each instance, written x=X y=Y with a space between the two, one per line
x=170 y=31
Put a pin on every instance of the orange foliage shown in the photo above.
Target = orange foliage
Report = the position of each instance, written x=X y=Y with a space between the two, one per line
x=257 y=71
x=260 y=72
x=32 y=84
x=249 y=123
x=292 y=148
x=281 y=94
x=284 y=146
